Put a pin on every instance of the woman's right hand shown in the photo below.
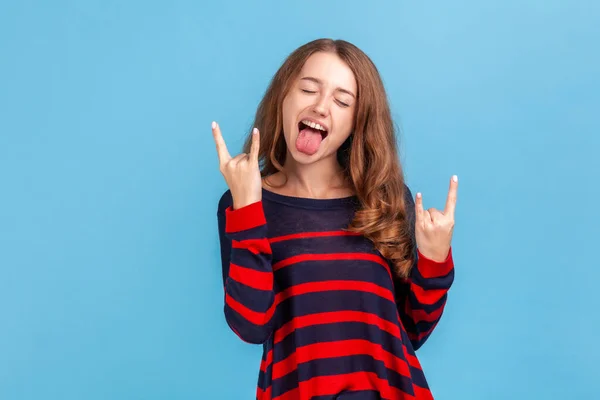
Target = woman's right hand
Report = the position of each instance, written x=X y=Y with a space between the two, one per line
x=241 y=172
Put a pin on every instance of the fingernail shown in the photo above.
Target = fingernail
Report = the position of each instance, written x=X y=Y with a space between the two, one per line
x=214 y=124
x=419 y=195
x=455 y=178
x=254 y=131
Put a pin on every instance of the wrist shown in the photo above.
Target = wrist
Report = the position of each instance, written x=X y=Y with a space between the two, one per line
x=435 y=255
x=244 y=218
x=433 y=268
x=245 y=201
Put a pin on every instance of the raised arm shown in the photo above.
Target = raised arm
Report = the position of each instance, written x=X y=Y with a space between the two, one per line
x=422 y=296
x=245 y=250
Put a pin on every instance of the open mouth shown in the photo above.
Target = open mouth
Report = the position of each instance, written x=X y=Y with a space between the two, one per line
x=316 y=128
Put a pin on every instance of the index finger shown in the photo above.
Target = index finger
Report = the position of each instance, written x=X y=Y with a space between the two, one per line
x=222 y=151
x=452 y=195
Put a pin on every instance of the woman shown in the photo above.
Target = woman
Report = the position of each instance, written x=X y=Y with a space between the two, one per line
x=328 y=262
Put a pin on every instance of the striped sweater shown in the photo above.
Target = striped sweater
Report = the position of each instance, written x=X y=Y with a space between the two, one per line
x=333 y=319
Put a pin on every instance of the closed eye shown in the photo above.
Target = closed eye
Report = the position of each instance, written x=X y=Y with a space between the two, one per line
x=341 y=103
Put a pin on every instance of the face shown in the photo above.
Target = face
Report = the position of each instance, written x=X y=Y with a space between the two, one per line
x=318 y=111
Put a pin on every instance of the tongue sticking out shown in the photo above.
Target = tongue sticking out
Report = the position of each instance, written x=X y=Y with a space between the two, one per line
x=309 y=140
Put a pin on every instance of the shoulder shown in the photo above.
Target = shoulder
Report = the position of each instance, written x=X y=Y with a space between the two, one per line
x=225 y=202
x=408 y=196
x=409 y=203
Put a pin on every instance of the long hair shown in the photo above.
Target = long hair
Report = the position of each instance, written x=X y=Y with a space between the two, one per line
x=369 y=157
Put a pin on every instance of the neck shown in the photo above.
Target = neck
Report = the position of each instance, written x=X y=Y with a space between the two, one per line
x=322 y=179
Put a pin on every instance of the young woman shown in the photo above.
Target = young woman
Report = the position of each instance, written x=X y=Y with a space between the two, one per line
x=328 y=262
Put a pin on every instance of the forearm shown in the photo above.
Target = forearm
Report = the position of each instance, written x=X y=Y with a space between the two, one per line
x=248 y=273
x=424 y=297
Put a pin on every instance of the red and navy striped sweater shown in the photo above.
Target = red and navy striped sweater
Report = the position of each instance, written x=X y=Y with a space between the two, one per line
x=333 y=319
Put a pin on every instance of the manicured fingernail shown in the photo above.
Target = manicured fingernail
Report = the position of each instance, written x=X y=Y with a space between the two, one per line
x=214 y=124
x=254 y=131
x=455 y=178
x=419 y=195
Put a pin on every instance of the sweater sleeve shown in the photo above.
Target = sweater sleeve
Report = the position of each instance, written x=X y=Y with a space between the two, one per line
x=247 y=270
x=421 y=298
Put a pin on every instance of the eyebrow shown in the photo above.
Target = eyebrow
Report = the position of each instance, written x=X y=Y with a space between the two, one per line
x=318 y=81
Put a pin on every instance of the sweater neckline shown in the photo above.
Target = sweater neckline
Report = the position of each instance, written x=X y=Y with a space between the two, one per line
x=306 y=202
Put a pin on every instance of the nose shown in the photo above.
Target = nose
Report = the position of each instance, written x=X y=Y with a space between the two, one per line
x=321 y=107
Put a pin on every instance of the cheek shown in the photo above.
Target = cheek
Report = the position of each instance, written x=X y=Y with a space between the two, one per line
x=287 y=115
x=344 y=124
x=292 y=107
x=290 y=128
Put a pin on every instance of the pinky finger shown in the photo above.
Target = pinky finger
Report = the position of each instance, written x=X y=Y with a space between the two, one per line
x=419 y=211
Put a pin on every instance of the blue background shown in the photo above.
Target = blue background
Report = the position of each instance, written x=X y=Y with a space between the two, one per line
x=110 y=279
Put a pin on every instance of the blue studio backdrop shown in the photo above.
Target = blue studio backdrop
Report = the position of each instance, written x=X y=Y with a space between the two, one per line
x=110 y=277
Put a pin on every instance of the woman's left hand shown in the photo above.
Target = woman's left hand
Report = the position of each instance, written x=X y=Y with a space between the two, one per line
x=434 y=228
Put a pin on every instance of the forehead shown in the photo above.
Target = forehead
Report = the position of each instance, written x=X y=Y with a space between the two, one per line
x=330 y=69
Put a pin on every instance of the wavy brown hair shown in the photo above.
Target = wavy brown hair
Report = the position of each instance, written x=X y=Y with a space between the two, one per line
x=369 y=157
